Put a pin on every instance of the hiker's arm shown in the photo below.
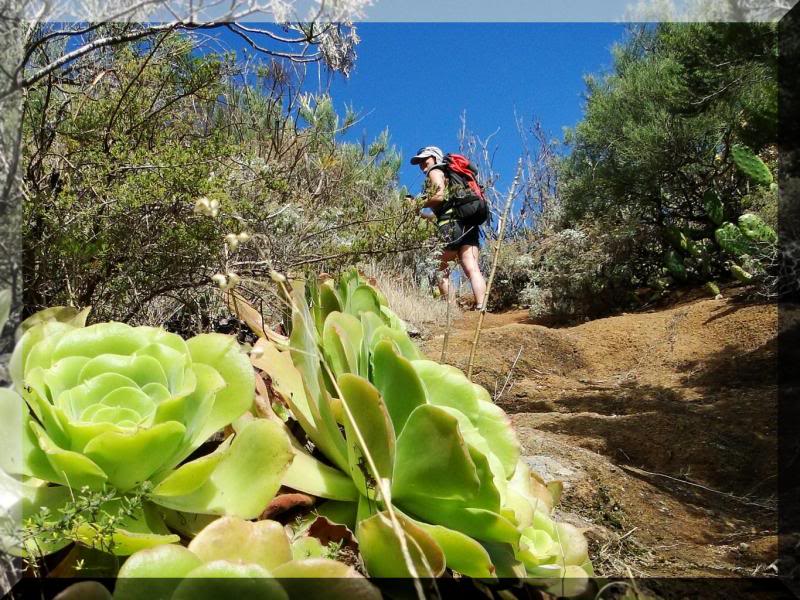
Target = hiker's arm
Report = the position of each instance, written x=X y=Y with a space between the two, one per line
x=437 y=189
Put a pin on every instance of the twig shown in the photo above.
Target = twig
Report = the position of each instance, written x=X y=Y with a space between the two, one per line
x=450 y=294
x=501 y=233
x=508 y=376
x=697 y=485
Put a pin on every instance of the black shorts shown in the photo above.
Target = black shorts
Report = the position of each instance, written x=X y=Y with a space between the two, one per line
x=456 y=234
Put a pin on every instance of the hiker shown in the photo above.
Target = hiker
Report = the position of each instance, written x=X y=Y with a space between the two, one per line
x=456 y=201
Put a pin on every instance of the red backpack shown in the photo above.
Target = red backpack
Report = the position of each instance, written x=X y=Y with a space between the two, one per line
x=466 y=194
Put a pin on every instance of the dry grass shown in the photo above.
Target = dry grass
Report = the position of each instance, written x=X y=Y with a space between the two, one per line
x=414 y=305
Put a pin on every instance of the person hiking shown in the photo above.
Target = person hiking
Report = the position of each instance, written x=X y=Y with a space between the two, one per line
x=456 y=201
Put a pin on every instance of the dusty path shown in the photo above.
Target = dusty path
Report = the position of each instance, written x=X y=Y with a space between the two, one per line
x=662 y=426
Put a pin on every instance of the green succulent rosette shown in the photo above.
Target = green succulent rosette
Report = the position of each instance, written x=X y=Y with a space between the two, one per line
x=114 y=406
x=249 y=559
x=447 y=456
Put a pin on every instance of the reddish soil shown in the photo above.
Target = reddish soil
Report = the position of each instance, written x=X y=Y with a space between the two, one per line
x=662 y=426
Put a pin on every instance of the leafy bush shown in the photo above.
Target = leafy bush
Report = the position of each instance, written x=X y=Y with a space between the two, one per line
x=159 y=153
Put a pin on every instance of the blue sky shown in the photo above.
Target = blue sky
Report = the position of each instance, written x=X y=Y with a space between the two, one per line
x=409 y=77
x=416 y=79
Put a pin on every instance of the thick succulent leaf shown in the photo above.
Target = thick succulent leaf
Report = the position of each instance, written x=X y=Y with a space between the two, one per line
x=35 y=394
x=64 y=375
x=303 y=345
x=306 y=357
x=446 y=385
x=329 y=302
x=309 y=475
x=433 y=461
x=126 y=542
x=264 y=543
x=324 y=578
x=342 y=513
x=481 y=524
x=164 y=566
x=362 y=299
x=96 y=340
x=495 y=427
x=568 y=582
x=172 y=362
x=68 y=315
x=18 y=363
x=140 y=369
x=397 y=381
x=367 y=414
x=341 y=342
x=286 y=381
x=190 y=476
x=25 y=456
x=370 y=323
x=224 y=354
x=477 y=443
x=308 y=547
x=246 y=479
x=13 y=418
x=73 y=469
x=573 y=546
x=187 y=524
x=193 y=410
x=461 y=552
x=404 y=344
x=536 y=548
x=505 y=562
x=132 y=457
x=380 y=547
x=392 y=320
x=224 y=579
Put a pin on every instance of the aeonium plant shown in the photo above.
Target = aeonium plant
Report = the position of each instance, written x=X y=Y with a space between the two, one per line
x=233 y=556
x=415 y=446
x=115 y=407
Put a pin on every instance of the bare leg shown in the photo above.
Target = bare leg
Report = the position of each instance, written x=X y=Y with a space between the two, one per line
x=445 y=259
x=469 y=262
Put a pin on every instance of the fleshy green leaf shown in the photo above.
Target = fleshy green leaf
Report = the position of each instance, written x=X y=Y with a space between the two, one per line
x=246 y=479
x=73 y=469
x=324 y=578
x=224 y=579
x=461 y=552
x=264 y=543
x=341 y=340
x=309 y=475
x=224 y=354
x=380 y=547
x=444 y=470
x=370 y=417
x=130 y=458
x=190 y=476
x=397 y=381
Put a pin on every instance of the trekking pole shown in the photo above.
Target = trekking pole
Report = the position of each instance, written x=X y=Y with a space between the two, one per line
x=501 y=233
x=450 y=294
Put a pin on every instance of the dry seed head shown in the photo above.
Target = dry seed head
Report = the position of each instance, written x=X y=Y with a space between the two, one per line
x=233 y=280
x=220 y=280
x=277 y=277
x=232 y=241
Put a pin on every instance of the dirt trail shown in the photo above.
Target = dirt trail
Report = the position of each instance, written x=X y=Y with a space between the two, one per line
x=662 y=426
